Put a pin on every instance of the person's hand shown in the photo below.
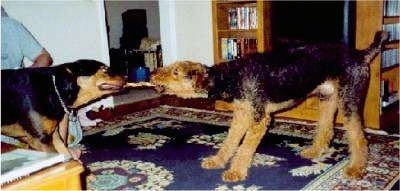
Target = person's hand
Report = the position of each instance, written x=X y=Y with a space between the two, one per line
x=43 y=59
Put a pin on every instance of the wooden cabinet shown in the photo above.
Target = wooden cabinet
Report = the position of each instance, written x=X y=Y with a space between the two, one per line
x=368 y=20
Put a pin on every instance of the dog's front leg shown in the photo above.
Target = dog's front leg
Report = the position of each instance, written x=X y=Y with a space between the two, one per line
x=58 y=141
x=241 y=162
x=241 y=122
x=59 y=144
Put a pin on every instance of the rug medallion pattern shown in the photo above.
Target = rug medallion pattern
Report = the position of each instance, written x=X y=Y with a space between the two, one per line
x=161 y=149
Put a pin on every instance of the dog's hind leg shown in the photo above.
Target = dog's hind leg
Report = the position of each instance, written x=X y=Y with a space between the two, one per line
x=358 y=147
x=324 y=133
x=352 y=95
x=243 y=157
x=241 y=122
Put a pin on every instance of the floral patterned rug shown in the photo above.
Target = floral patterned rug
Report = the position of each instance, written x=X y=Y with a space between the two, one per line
x=161 y=149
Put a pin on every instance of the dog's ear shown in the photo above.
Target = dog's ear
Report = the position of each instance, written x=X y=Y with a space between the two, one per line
x=199 y=78
x=67 y=85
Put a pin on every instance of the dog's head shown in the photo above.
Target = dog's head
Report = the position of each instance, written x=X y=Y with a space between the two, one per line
x=184 y=79
x=89 y=79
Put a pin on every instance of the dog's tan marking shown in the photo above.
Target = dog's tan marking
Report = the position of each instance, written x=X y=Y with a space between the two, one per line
x=324 y=132
x=37 y=145
x=241 y=162
x=59 y=144
x=49 y=125
x=241 y=121
x=13 y=130
x=90 y=86
x=357 y=147
x=183 y=79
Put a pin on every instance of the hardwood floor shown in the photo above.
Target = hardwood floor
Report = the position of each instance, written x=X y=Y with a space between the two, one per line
x=155 y=101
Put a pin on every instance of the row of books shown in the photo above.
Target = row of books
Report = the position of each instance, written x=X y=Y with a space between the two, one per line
x=242 y=18
x=233 y=48
x=391 y=8
x=390 y=57
x=388 y=94
x=393 y=30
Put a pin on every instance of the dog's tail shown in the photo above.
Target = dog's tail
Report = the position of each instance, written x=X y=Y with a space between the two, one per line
x=375 y=47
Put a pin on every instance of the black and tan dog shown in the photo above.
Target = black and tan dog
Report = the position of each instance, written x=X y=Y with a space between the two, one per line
x=35 y=100
x=263 y=84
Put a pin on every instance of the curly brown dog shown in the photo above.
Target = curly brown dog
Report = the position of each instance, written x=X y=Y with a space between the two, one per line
x=263 y=84
x=35 y=100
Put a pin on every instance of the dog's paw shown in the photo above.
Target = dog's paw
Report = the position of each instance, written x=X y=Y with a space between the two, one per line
x=233 y=176
x=212 y=162
x=311 y=153
x=354 y=171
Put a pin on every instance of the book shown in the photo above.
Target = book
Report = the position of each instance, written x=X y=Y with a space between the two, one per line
x=22 y=162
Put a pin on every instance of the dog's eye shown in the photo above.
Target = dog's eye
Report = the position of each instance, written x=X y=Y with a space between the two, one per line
x=175 y=72
x=104 y=69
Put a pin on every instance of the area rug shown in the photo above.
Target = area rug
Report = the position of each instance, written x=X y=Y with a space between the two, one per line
x=162 y=148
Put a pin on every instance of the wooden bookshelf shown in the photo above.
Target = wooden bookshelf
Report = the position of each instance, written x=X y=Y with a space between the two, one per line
x=389 y=115
x=222 y=27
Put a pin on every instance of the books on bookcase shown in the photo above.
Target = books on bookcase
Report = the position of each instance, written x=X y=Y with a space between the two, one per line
x=390 y=58
x=388 y=93
x=393 y=30
x=391 y=8
x=242 y=17
x=233 y=48
x=22 y=162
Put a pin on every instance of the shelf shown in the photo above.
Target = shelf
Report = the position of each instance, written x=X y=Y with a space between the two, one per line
x=390 y=69
x=237 y=33
x=236 y=2
x=391 y=20
x=392 y=44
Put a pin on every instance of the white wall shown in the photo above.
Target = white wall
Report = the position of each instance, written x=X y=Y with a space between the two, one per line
x=114 y=10
x=69 y=30
x=186 y=31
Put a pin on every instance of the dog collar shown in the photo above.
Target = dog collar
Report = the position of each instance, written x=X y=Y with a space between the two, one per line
x=59 y=96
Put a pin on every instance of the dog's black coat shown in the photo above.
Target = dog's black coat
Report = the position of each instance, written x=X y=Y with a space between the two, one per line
x=292 y=72
x=32 y=90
